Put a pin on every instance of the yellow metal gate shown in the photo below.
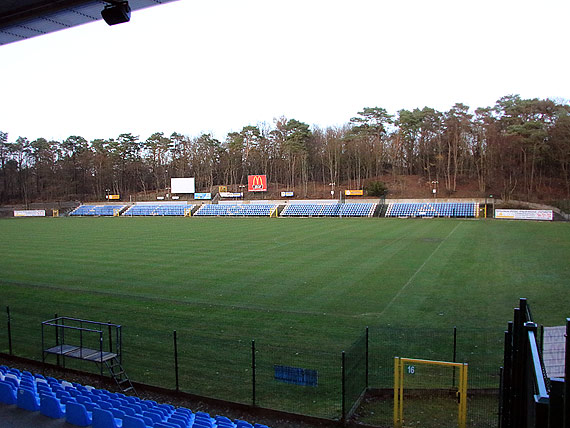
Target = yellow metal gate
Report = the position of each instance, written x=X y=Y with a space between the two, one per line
x=406 y=368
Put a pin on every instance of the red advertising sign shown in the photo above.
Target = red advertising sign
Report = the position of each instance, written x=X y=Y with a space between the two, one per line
x=257 y=183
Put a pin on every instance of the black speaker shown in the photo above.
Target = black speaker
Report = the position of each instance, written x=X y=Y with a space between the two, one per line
x=117 y=13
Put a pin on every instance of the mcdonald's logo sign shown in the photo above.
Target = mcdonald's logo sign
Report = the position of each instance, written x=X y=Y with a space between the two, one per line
x=257 y=183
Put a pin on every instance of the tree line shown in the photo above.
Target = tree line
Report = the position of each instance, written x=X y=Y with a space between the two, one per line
x=515 y=147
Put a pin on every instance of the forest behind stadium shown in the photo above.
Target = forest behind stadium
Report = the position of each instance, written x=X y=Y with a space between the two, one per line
x=519 y=148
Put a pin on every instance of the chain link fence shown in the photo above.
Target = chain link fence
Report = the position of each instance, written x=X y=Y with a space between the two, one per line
x=292 y=377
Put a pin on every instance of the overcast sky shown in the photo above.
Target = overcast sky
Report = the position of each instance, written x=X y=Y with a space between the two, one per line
x=196 y=66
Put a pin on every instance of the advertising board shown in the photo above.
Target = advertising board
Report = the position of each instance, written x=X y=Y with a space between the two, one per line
x=545 y=215
x=202 y=196
x=231 y=194
x=296 y=375
x=257 y=183
x=182 y=185
x=29 y=213
x=286 y=194
x=354 y=192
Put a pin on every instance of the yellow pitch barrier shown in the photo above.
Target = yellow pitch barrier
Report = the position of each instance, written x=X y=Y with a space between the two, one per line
x=400 y=364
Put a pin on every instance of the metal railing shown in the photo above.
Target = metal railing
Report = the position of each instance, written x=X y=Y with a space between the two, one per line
x=529 y=399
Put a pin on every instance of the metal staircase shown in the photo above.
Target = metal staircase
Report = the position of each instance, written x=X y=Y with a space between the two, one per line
x=119 y=375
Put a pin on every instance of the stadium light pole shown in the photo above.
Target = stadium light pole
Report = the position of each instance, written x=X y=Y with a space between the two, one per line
x=332 y=189
x=434 y=184
x=493 y=203
x=241 y=189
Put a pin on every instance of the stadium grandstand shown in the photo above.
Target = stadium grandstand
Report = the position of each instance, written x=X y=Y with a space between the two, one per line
x=433 y=209
x=163 y=209
x=83 y=405
x=300 y=208
x=98 y=210
x=316 y=209
x=244 y=210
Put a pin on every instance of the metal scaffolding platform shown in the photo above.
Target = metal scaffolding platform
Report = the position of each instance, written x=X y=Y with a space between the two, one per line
x=92 y=341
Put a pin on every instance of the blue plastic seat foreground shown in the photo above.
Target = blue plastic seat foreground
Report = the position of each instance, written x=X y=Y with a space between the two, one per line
x=133 y=422
x=51 y=407
x=105 y=419
x=7 y=393
x=164 y=425
x=177 y=422
x=77 y=414
x=27 y=400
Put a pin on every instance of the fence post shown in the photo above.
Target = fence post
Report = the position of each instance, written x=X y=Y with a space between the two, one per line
x=556 y=404
x=367 y=358
x=57 y=338
x=176 y=361
x=517 y=369
x=9 y=330
x=343 y=388
x=100 y=349
x=110 y=337
x=506 y=394
x=454 y=354
x=501 y=384
x=253 y=372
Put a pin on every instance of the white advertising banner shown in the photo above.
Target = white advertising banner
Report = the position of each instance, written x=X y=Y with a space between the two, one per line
x=524 y=214
x=231 y=194
x=29 y=213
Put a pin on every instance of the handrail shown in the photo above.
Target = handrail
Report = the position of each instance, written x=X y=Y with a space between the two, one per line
x=80 y=320
x=540 y=384
x=74 y=328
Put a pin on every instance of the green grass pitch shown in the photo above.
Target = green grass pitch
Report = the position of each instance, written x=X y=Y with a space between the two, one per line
x=300 y=284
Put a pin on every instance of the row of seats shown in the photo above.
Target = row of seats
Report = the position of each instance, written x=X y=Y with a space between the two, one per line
x=87 y=406
x=235 y=210
x=435 y=209
x=158 y=209
x=97 y=210
x=352 y=209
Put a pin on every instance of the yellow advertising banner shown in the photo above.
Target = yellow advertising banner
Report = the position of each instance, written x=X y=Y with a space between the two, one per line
x=222 y=189
x=354 y=192
x=117 y=197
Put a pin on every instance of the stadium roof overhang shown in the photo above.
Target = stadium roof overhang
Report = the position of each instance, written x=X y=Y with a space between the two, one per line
x=23 y=19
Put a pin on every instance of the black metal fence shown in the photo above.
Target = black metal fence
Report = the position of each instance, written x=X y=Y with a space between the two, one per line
x=293 y=377
x=528 y=397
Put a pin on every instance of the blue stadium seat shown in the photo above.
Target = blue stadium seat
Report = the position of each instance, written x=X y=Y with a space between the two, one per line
x=118 y=413
x=179 y=423
x=51 y=407
x=7 y=393
x=155 y=416
x=12 y=381
x=129 y=411
x=134 y=422
x=165 y=425
x=28 y=400
x=105 y=419
x=77 y=414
